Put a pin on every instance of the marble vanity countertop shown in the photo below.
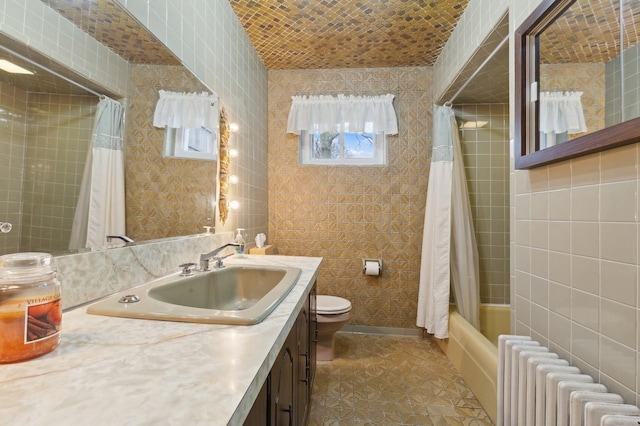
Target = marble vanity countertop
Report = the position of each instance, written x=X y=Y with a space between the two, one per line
x=120 y=371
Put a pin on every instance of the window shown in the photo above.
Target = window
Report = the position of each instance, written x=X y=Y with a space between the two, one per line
x=191 y=124
x=197 y=143
x=343 y=148
x=343 y=130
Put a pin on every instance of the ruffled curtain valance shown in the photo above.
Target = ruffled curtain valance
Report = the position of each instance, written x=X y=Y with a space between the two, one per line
x=371 y=114
x=561 y=112
x=186 y=110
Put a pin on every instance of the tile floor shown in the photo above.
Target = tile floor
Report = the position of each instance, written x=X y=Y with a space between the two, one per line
x=391 y=380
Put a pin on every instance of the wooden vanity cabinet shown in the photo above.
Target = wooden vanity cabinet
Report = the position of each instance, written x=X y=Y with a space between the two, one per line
x=285 y=397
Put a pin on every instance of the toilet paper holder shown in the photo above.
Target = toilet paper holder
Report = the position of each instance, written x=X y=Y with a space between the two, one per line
x=364 y=264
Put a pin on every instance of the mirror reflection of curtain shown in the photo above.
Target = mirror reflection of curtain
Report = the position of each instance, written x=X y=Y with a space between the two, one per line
x=449 y=249
x=186 y=110
x=561 y=115
x=101 y=210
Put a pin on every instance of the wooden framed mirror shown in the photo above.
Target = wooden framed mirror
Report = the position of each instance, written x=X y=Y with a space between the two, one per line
x=588 y=47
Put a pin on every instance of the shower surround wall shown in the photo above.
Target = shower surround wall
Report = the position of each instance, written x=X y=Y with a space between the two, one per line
x=345 y=213
x=486 y=161
x=58 y=138
x=46 y=147
x=13 y=139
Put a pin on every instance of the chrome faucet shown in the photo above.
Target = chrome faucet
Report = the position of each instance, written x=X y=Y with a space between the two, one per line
x=206 y=257
x=119 y=237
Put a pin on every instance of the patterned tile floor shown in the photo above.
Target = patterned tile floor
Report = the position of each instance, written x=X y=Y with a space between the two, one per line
x=389 y=380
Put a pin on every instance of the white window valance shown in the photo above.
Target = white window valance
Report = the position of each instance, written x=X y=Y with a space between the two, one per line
x=370 y=114
x=186 y=110
x=561 y=112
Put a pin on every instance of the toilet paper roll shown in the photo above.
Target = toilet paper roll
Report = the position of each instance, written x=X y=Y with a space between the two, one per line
x=372 y=268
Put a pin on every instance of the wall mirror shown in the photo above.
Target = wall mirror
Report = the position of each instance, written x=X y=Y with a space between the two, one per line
x=583 y=51
x=43 y=155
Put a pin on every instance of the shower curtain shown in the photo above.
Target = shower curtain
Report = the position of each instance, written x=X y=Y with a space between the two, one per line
x=100 y=210
x=449 y=250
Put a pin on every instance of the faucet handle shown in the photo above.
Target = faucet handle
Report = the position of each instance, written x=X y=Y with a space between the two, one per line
x=187 y=269
x=219 y=264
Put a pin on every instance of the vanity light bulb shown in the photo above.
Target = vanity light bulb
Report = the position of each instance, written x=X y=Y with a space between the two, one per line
x=234 y=127
x=233 y=153
x=233 y=179
x=234 y=205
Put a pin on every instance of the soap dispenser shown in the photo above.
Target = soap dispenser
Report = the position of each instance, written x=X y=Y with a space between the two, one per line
x=240 y=249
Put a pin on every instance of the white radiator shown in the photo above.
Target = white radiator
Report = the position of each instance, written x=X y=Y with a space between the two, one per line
x=538 y=388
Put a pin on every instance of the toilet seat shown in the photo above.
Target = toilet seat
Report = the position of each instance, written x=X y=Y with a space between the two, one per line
x=331 y=305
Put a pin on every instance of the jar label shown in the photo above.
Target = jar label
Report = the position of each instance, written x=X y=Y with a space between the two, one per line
x=44 y=320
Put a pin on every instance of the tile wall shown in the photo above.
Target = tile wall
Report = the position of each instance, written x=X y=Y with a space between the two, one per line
x=210 y=41
x=13 y=138
x=576 y=263
x=33 y=23
x=486 y=160
x=225 y=61
x=44 y=30
x=346 y=213
x=165 y=197
x=58 y=137
x=574 y=239
x=45 y=139
x=631 y=86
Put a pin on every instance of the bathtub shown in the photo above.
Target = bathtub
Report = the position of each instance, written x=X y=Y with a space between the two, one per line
x=475 y=355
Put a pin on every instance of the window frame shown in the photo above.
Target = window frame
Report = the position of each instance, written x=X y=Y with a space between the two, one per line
x=305 y=151
x=175 y=140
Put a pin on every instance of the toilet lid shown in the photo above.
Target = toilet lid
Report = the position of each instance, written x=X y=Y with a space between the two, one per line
x=332 y=304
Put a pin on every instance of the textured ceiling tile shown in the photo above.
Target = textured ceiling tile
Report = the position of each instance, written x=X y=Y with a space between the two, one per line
x=309 y=34
x=111 y=25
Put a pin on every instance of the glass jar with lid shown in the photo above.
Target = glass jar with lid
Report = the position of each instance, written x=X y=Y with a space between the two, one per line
x=30 y=306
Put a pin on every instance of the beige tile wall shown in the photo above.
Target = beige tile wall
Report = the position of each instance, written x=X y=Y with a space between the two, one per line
x=486 y=160
x=346 y=213
x=13 y=139
x=209 y=40
x=58 y=137
x=165 y=197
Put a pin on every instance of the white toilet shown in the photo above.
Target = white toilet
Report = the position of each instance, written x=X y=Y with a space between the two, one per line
x=333 y=314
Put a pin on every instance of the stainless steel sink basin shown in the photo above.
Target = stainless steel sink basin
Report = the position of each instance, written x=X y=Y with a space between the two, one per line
x=231 y=295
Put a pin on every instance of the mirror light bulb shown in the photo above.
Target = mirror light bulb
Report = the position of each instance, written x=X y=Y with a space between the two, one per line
x=233 y=179
x=233 y=153
x=234 y=127
x=234 y=205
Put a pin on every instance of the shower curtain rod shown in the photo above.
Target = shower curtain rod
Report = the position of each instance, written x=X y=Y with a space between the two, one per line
x=68 y=80
x=475 y=73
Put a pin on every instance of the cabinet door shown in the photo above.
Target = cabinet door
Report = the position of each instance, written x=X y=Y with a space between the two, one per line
x=283 y=386
x=258 y=415
x=304 y=365
x=313 y=335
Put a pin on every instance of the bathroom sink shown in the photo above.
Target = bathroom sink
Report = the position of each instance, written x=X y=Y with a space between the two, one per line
x=242 y=295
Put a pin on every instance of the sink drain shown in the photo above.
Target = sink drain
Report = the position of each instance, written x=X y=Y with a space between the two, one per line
x=129 y=298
